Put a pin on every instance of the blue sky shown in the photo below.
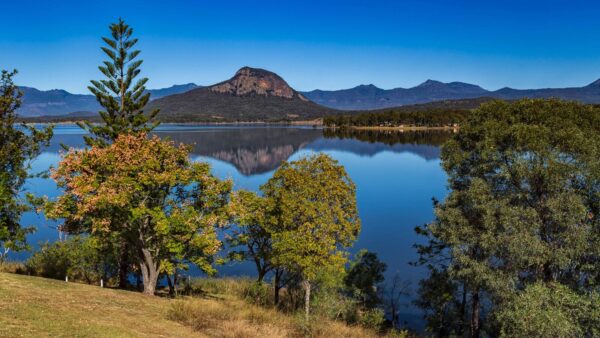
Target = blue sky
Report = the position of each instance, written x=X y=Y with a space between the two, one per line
x=312 y=44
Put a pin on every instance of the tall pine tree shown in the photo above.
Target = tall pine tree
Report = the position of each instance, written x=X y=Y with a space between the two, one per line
x=122 y=97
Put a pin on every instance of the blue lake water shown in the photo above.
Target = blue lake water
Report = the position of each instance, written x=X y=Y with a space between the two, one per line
x=396 y=174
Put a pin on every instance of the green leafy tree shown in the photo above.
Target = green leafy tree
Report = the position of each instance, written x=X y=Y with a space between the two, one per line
x=19 y=145
x=312 y=217
x=550 y=310
x=250 y=238
x=147 y=191
x=364 y=276
x=525 y=202
x=120 y=94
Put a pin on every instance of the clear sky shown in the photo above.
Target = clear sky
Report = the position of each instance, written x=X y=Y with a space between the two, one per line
x=312 y=44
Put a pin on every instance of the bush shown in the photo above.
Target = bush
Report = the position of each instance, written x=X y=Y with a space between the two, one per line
x=79 y=258
x=259 y=294
x=372 y=319
x=332 y=304
x=13 y=267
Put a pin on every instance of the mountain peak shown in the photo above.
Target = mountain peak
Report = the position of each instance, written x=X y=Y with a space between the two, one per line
x=249 y=81
x=430 y=83
x=594 y=84
x=367 y=86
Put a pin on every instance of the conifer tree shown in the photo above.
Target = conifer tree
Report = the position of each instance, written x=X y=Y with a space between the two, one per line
x=123 y=99
x=120 y=94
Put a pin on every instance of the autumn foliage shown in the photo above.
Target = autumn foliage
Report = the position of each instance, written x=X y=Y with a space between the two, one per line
x=147 y=192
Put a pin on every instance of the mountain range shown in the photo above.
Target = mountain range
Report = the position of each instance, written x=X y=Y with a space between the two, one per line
x=369 y=97
x=58 y=102
x=254 y=94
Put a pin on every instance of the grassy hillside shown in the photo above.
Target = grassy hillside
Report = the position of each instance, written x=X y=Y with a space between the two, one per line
x=39 y=307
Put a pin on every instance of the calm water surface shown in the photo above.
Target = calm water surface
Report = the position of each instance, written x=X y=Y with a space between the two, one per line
x=396 y=174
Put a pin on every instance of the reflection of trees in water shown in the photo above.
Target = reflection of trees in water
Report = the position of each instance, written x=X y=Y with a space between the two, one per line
x=391 y=137
x=425 y=144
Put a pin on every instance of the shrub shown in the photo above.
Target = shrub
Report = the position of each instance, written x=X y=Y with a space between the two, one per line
x=332 y=304
x=13 y=267
x=80 y=258
x=372 y=319
x=259 y=294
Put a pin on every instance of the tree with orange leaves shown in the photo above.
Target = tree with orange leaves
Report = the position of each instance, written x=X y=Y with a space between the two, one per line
x=165 y=207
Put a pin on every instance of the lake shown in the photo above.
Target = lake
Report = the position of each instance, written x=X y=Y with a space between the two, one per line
x=396 y=175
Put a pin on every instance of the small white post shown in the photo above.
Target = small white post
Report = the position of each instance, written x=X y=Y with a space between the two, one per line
x=101 y=282
x=67 y=278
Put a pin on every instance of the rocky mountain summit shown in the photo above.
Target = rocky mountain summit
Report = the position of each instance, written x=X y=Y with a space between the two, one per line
x=252 y=94
x=255 y=81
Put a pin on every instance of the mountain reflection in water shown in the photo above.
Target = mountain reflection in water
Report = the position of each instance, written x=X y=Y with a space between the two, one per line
x=258 y=150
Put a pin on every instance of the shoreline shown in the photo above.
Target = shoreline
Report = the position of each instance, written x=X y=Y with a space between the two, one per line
x=404 y=128
x=303 y=123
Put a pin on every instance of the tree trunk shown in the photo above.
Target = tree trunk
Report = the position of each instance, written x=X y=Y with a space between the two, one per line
x=175 y=281
x=171 y=286
x=463 y=308
x=306 y=284
x=277 y=286
x=261 y=276
x=475 y=314
x=149 y=270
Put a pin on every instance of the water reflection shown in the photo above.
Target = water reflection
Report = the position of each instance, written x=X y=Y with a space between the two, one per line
x=259 y=150
x=425 y=144
x=250 y=150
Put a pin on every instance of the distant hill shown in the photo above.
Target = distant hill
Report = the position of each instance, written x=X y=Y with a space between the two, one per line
x=443 y=105
x=252 y=94
x=58 y=102
x=54 y=102
x=367 y=97
x=176 y=89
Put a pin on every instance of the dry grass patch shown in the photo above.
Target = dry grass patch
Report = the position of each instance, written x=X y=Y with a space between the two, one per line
x=231 y=318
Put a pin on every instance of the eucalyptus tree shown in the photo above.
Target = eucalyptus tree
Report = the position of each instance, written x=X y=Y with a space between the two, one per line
x=19 y=145
x=524 y=206
x=364 y=277
x=312 y=217
x=249 y=237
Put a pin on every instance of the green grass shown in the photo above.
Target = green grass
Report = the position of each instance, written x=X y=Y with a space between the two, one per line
x=40 y=307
